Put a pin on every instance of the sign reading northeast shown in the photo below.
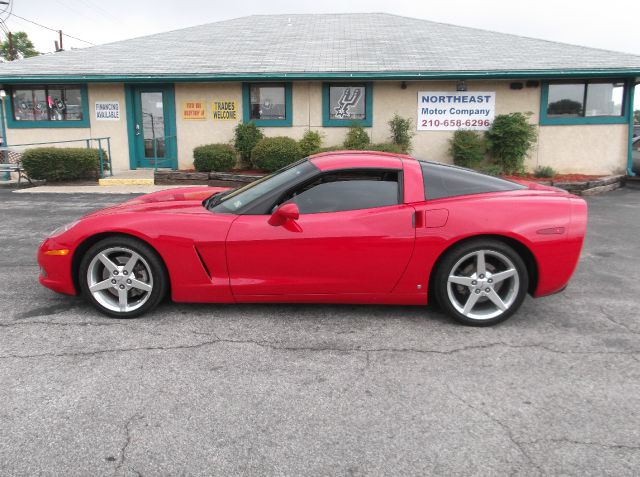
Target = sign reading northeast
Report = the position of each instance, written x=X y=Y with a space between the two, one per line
x=193 y=110
x=448 y=111
x=224 y=111
x=107 y=110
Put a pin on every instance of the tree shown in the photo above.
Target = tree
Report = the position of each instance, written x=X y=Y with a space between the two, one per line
x=636 y=116
x=22 y=47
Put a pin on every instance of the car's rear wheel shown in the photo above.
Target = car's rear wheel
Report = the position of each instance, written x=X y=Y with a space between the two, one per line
x=481 y=282
x=122 y=277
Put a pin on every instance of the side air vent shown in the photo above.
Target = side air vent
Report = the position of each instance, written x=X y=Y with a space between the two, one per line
x=204 y=265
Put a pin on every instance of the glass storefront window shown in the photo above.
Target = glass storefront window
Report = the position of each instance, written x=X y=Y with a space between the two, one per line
x=267 y=102
x=47 y=103
x=585 y=99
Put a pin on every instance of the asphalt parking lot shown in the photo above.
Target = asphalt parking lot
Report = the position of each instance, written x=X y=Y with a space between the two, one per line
x=317 y=389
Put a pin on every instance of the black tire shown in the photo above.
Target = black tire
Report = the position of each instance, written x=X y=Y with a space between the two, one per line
x=148 y=271
x=452 y=296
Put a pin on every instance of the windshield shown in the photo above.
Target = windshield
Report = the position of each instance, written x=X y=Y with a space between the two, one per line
x=234 y=200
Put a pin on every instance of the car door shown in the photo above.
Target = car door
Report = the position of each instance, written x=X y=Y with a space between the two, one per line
x=353 y=236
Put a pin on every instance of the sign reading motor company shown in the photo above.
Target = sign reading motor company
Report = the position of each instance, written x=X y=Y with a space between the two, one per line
x=452 y=110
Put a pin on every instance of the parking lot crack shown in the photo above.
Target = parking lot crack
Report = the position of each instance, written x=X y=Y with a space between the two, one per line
x=280 y=347
x=57 y=323
x=507 y=431
x=123 y=449
x=609 y=317
x=565 y=440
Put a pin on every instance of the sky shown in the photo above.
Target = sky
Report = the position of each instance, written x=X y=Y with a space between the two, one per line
x=612 y=26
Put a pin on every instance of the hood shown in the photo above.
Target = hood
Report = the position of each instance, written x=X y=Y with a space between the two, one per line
x=186 y=200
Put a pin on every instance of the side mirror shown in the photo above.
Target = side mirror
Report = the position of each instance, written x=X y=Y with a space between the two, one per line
x=283 y=214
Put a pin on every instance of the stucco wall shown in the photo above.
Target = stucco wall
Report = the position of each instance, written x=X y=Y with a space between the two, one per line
x=593 y=149
x=586 y=149
x=192 y=133
x=599 y=149
x=117 y=130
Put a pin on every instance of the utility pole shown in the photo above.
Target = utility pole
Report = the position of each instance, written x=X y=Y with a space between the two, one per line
x=60 y=34
x=10 y=38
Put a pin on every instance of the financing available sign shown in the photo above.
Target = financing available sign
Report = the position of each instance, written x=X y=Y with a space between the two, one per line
x=107 y=110
x=452 y=110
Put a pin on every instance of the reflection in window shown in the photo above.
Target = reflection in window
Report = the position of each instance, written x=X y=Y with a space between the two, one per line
x=47 y=103
x=585 y=99
x=566 y=100
x=267 y=102
x=604 y=99
x=347 y=102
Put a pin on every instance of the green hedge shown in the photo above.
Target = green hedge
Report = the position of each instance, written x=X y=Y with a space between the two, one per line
x=273 y=153
x=63 y=163
x=214 y=157
x=310 y=143
x=467 y=148
x=386 y=147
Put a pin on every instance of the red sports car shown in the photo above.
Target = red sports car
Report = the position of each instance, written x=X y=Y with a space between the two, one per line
x=339 y=227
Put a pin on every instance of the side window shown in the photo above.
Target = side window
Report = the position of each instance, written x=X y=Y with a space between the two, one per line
x=442 y=181
x=347 y=190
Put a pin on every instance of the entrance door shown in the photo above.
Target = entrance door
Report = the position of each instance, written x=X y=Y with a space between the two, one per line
x=152 y=126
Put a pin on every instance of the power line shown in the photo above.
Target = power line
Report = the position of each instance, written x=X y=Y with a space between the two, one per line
x=52 y=29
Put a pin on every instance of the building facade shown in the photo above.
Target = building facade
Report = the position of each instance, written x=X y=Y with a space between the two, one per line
x=159 y=97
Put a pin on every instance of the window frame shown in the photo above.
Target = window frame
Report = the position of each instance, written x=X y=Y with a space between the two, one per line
x=545 y=120
x=13 y=123
x=288 y=105
x=344 y=123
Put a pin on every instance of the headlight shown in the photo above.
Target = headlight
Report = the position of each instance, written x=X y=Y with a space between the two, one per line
x=63 y=229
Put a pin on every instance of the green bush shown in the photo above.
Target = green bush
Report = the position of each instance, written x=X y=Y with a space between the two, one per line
x=491 y=169
x=401 y=132
x=544 y=171
x=63 y=163
x=357 y=138
x=509 y=139
x=310 y=143
x=246 y=136
x=214 y=157
x=330 y=149
x=467 y=148
x=273 y=153
x=386 y=147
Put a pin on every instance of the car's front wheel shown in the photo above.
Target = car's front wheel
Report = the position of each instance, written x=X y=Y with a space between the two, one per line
x=122 y=277
x=481 y=282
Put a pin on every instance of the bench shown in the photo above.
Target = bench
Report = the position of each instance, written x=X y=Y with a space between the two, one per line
x=10 y=162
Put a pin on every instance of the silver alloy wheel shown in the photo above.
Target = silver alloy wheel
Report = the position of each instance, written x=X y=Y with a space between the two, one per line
x=120 y=279
x=483 y=284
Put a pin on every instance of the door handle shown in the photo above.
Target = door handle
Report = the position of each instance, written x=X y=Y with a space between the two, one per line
x=137 y=129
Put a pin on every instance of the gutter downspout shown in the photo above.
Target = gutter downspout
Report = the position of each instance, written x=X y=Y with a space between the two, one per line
x=632 y=88
x=7 y=175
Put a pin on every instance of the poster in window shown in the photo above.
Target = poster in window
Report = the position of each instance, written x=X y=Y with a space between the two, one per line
x=347 y=103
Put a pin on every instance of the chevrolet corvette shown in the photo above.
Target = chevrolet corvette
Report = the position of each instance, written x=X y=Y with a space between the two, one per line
x=340 y=227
